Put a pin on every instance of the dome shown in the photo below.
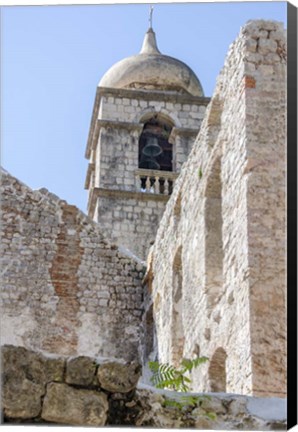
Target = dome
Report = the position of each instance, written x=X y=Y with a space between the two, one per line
x=152 y=70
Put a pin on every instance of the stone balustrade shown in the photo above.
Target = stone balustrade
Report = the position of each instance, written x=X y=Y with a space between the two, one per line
x=154 y=181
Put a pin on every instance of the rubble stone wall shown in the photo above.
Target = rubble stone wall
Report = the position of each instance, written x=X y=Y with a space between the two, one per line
x=83 y=391
x=65 y=288
x=218 y=262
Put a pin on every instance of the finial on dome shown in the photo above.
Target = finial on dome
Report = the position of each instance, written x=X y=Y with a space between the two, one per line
x=150 y=16
x=149 y=44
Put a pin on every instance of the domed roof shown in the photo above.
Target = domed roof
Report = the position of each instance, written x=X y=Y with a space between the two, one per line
x=152 y=70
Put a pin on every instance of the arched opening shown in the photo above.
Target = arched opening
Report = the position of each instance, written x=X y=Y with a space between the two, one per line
x=217 y=371
x=177 y=330
x=155 y=150
x=213 y=235
x=148 y=332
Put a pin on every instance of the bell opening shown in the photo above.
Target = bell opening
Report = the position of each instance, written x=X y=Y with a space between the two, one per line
x=155 y=151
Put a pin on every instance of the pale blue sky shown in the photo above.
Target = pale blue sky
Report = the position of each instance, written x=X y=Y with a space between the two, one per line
x=54 y=56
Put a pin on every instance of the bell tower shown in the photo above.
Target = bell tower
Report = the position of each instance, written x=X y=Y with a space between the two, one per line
x=147 y=112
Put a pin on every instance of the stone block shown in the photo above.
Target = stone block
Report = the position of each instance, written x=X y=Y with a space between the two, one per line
x=79 y=407
x=80 y=370
x=118 y=378
x=213 y=404
x=21 y=397
x=266 y=46
x=238 y=406
x=24 y=377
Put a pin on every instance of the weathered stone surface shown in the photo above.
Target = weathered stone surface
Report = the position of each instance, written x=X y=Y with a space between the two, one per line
x=220 y=245
x=153 y=414
x=38 y=367
x=24 y=377
x=213 y=404
x=80 y=371
x=237 y=406
x=117 y=377
x=21 y=397
x=28 y=399
x=65 y=289
x=66 y=405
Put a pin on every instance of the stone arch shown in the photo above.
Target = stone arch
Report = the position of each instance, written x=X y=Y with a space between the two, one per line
x=163 y=113
x=149 y=332
x=177 y=329
x=217 y=371
x=213 y=234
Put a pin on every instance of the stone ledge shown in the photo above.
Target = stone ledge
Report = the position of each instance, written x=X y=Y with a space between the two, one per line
x=167 y=96
x=111 y=193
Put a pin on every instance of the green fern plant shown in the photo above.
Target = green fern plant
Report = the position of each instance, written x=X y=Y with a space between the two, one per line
x=166 y=376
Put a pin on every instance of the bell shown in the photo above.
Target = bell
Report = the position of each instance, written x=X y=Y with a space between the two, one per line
x=152 y=149
x=148 y=163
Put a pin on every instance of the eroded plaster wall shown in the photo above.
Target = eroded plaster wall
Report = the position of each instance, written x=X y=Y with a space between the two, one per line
x=226 y=218
x=65 y=288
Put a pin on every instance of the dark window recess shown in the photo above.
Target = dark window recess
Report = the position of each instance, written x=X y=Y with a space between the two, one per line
x=155 y=151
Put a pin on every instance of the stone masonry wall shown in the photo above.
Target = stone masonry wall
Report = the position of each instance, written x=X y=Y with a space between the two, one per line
x=82 y=391
x=216 y=270
x=266 y=106
x=113 y=149
x=118 y=119
x=65 y=288
x=131 y=106
x=135 y=219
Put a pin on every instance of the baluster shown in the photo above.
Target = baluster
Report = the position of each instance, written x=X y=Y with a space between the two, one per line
x=148 y=184
x=138 y=183
x=156 y=185
x=166 y=187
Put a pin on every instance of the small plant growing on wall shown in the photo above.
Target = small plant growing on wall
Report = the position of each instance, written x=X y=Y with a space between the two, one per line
x=166 y=376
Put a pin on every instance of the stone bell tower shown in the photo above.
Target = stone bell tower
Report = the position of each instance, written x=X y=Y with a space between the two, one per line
x=147 y=112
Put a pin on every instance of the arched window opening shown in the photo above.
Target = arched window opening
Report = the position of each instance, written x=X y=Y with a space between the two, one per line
x=217 y=371
x=177 y=330
x=213 y=235
x=155 y=151
x=148 y=333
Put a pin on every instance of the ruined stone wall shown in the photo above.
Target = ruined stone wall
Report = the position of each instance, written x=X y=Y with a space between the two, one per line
x=82 y=391
x=266 y=106
x=216 y=271
x=65 y=288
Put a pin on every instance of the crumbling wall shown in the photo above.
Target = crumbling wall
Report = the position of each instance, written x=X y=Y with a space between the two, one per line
x=65 y=288
x=82 y=391
x=227 y=217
